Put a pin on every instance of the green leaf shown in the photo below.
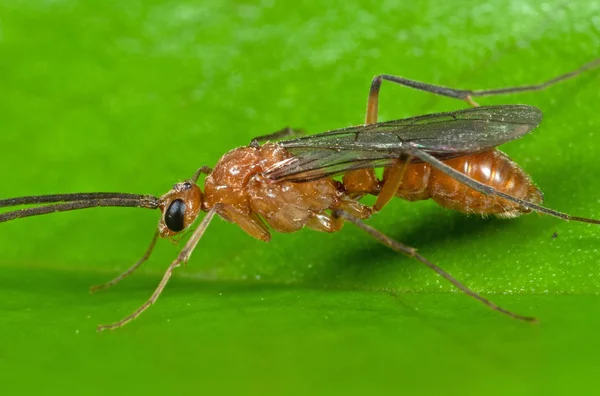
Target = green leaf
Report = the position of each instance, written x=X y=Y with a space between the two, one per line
x=135 y=96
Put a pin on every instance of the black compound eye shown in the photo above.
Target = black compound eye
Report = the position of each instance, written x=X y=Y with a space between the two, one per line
x=175 y=215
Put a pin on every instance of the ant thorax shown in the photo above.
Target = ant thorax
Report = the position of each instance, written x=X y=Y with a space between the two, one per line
x=248 y=197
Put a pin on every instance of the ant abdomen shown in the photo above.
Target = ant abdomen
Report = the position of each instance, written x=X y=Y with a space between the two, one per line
x=492 y=167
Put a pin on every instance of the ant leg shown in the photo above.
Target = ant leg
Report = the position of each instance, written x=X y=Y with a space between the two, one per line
x=129 y=271
x=251 y=223
x=282 y=133
x=412 y=252
x=324 y=222
x=461 y=94
x=205 y=170
x=183 y=257
x=392 y=182
x=330 y=223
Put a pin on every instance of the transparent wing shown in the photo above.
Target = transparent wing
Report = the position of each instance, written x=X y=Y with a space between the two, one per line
x=443 y=135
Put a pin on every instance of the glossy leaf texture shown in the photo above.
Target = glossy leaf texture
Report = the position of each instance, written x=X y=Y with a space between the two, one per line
x=135 y=96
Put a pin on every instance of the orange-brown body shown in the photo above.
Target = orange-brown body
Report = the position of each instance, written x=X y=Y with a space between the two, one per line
x=422 y=181
x=249 y=199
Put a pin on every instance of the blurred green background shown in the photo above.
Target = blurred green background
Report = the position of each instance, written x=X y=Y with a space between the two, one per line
x=134 y=96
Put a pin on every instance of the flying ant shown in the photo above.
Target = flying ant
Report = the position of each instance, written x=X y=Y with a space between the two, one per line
x=449 y=157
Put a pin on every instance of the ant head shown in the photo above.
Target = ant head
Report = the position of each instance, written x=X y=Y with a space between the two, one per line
x=180 y=208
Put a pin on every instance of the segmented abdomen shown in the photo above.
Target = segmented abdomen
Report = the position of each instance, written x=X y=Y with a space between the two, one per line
x=493 y=168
